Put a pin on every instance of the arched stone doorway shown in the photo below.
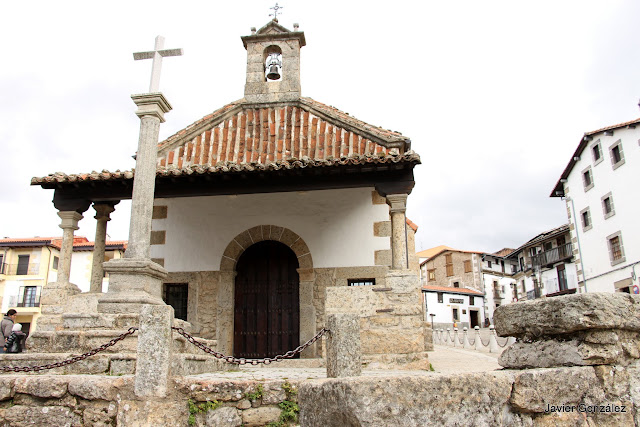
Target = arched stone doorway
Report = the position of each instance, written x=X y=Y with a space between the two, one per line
x=225 y=313
x=266 y=301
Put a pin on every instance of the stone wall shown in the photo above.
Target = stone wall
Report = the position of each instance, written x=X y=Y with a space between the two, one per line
x=501 y=398
x=79 y=400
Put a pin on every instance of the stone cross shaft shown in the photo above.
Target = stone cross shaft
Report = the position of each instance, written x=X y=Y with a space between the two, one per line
x=156 y=54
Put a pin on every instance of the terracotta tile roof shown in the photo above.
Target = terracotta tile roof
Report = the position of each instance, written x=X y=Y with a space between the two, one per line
x=305 y=130
x=79 y=242
x=412 y=224
x=241 y=137
x=544 y=236
x=428 y=253
x=453 y=290
x=503 y=252
x=558 y=190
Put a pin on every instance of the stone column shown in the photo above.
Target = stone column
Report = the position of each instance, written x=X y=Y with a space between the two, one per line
x=398 y=207
x=135 y=278
x=69 y=224
x=103 y=210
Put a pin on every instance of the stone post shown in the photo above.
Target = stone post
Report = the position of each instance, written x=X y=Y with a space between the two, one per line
x=154 y=351
x=398 y=207
x=343 y=346
x=69 y=224
x=448 y=339
x=478 y=341
x=493 y=341
x=465 y=338
x=135 y=278
x=103 y=210
x=455 y=337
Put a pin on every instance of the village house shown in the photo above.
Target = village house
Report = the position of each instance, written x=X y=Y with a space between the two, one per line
x=271 y=212
x=599 y=187
x=28 y=264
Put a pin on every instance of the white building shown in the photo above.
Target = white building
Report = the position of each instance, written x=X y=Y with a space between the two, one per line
x=28 y=264
x=445 y=306
x=600 y=188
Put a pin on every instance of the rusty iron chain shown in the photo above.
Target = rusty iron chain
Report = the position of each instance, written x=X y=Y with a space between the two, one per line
x=74 y=359
x=242 y=360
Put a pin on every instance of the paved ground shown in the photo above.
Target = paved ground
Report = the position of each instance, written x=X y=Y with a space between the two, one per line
x=444 y=359
x=450 y=360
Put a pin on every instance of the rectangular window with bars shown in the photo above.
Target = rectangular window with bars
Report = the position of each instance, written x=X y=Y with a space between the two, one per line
x=361 y=282
x=176 y=295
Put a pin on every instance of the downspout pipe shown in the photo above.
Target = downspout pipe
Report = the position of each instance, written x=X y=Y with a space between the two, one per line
x=575 y=221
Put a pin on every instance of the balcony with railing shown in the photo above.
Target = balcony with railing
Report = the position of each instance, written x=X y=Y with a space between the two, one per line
x=552 y=256
x=20 y=269
x=554 y=287
x=28 y=296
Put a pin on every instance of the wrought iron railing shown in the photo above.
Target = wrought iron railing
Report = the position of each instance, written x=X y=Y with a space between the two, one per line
x=21 y=269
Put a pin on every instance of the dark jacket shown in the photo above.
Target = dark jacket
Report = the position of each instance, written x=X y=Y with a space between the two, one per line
x=5 y=326
x=15 y=341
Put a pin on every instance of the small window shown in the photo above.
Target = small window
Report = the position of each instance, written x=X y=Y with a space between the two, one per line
x=431 y=275
x=616 y=250
x=514 y=269
x=607 y=206
x=1 y=263
x=467 y=266
x=617 y=156
x=585 y=217
x=456 y=315
x=449 y=270
x=472 y=300
x=177 y=295
x=23 y=265
x=587 y=179
x=54 y=264
x=596 y=152
x=361 y=282
x=456 y=284
x=489 y=264
x=440 y=297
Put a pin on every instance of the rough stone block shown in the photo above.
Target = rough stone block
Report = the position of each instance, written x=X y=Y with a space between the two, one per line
x=42 y=416
x=382 y=229
x=94 y=388
x=244 y=239
x=382 y=257
x=154 y=351
x=343 y=346
x=158 y=237
x=159 y=212
x=254 y=417
x=568 y=314
x=586 y=348
x=45 y=387
x=223 y=417
x=380 y=341
x=377 y=199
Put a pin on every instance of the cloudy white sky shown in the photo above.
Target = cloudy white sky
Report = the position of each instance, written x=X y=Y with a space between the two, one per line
x=495 y=95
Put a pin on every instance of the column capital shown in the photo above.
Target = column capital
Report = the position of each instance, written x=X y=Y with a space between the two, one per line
x=152 y=104
x=103 y=210
x=69 y=219
x=397 y=202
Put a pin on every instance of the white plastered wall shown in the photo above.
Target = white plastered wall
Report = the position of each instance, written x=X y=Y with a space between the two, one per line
x=336 y=225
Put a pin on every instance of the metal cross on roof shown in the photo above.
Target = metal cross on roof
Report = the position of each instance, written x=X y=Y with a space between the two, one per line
x=157 y=53
x=275 y=8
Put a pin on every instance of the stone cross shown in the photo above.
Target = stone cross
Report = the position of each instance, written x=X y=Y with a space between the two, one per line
x=157 y=53
x=275 y=9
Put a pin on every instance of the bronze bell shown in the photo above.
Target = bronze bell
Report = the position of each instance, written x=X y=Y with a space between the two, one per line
x=273 y=73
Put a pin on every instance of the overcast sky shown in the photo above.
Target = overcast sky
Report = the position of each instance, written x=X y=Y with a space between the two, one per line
x=495 y=95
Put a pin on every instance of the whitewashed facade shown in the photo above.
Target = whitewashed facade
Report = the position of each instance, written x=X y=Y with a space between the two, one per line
x=446 y=307
x=600 y=189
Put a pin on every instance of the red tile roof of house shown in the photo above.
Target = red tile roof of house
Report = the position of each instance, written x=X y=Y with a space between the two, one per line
x=412 y=224
x=449 y=289
x=79 y=242
x=241 y=137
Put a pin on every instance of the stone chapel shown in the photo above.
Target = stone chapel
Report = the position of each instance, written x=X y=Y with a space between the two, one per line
x=272 y=212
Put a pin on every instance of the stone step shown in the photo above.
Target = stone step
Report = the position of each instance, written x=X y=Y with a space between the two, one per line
x=82 y=341
x=291 y=363
x=109 y=363
x=89 y=321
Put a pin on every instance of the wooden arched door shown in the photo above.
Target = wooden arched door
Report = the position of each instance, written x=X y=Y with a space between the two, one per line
x=267 y=304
